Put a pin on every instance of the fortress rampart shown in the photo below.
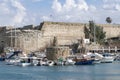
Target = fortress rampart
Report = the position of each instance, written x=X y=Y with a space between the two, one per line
x=41 y=36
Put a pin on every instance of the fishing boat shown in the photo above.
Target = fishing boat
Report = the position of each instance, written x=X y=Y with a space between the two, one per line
x=83 y=60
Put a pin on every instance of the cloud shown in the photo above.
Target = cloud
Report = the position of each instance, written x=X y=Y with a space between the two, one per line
x=20 y=12
x=71 y=10
x=12 y=12
x=69 y=5
x=4 y=9
x=83 y=11
x=57 y=6
x=111 y=5
x=17 y=12
x=82 y=5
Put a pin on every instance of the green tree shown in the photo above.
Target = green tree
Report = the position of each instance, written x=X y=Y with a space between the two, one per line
x=86 y=31
x=100 y=34
x=96 y=33
x=108 y=20
x=91 y=30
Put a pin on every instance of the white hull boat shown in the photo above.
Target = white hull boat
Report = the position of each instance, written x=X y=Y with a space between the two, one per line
x=12 y=61
x=69 y=62
x=24 y=64
x=108 y=59
x=50 y=63
x=97 y=61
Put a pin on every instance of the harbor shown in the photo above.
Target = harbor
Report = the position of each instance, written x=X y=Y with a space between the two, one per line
x=57 y=56
x=59 y=40
x=30 y=46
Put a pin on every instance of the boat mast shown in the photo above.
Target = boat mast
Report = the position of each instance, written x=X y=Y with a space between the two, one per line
x=11 y=38
x=15 y=37
x=94 y=34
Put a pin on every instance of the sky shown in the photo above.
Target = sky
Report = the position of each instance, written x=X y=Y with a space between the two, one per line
x=26 y=12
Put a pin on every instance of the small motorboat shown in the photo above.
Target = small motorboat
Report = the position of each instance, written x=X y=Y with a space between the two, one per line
x=107 y=58
x=25 y=61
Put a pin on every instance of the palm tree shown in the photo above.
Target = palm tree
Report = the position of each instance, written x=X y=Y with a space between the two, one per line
x=108 y=20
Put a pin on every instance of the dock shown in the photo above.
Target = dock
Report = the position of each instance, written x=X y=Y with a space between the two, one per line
x=107 y=49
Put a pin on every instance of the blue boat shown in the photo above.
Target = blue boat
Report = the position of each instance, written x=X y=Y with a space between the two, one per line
x=2 y=59
x=84 y=62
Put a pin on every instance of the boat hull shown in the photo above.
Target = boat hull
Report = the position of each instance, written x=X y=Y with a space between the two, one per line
x=107 y=60
x=84 y=62
x=24 y=64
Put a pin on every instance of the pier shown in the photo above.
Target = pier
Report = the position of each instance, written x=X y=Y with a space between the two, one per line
x=107 y=49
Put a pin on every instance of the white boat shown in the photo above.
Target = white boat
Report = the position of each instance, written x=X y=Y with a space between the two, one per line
x=24 y=64
x=25 y=61
x=95 y=56
x=43 y=63
x=96 y=61
x=35 y=62
x=69 y=61
x=50 y=63
x=12 y=61
x=107 y=58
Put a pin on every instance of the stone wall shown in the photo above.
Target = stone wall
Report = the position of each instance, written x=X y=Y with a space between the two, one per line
x=66 y=33
x=55 y=53
x=112 y=30
x=31 y=40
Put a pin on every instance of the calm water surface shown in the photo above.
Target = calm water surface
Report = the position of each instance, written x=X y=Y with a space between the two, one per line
x=107 y=71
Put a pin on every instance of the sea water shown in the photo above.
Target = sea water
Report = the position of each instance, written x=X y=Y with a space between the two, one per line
x=106 y=71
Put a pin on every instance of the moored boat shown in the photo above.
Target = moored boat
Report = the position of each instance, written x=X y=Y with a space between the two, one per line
x=25 y=61
x=50 y=63
x=84 y=62
x=107 y=58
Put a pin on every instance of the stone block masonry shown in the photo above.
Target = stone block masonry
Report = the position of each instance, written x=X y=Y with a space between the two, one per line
x=37 y=39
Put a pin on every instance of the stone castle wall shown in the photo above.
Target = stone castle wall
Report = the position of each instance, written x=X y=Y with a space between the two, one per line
x=31 y=40
x=66 y=33
x=112 y=30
